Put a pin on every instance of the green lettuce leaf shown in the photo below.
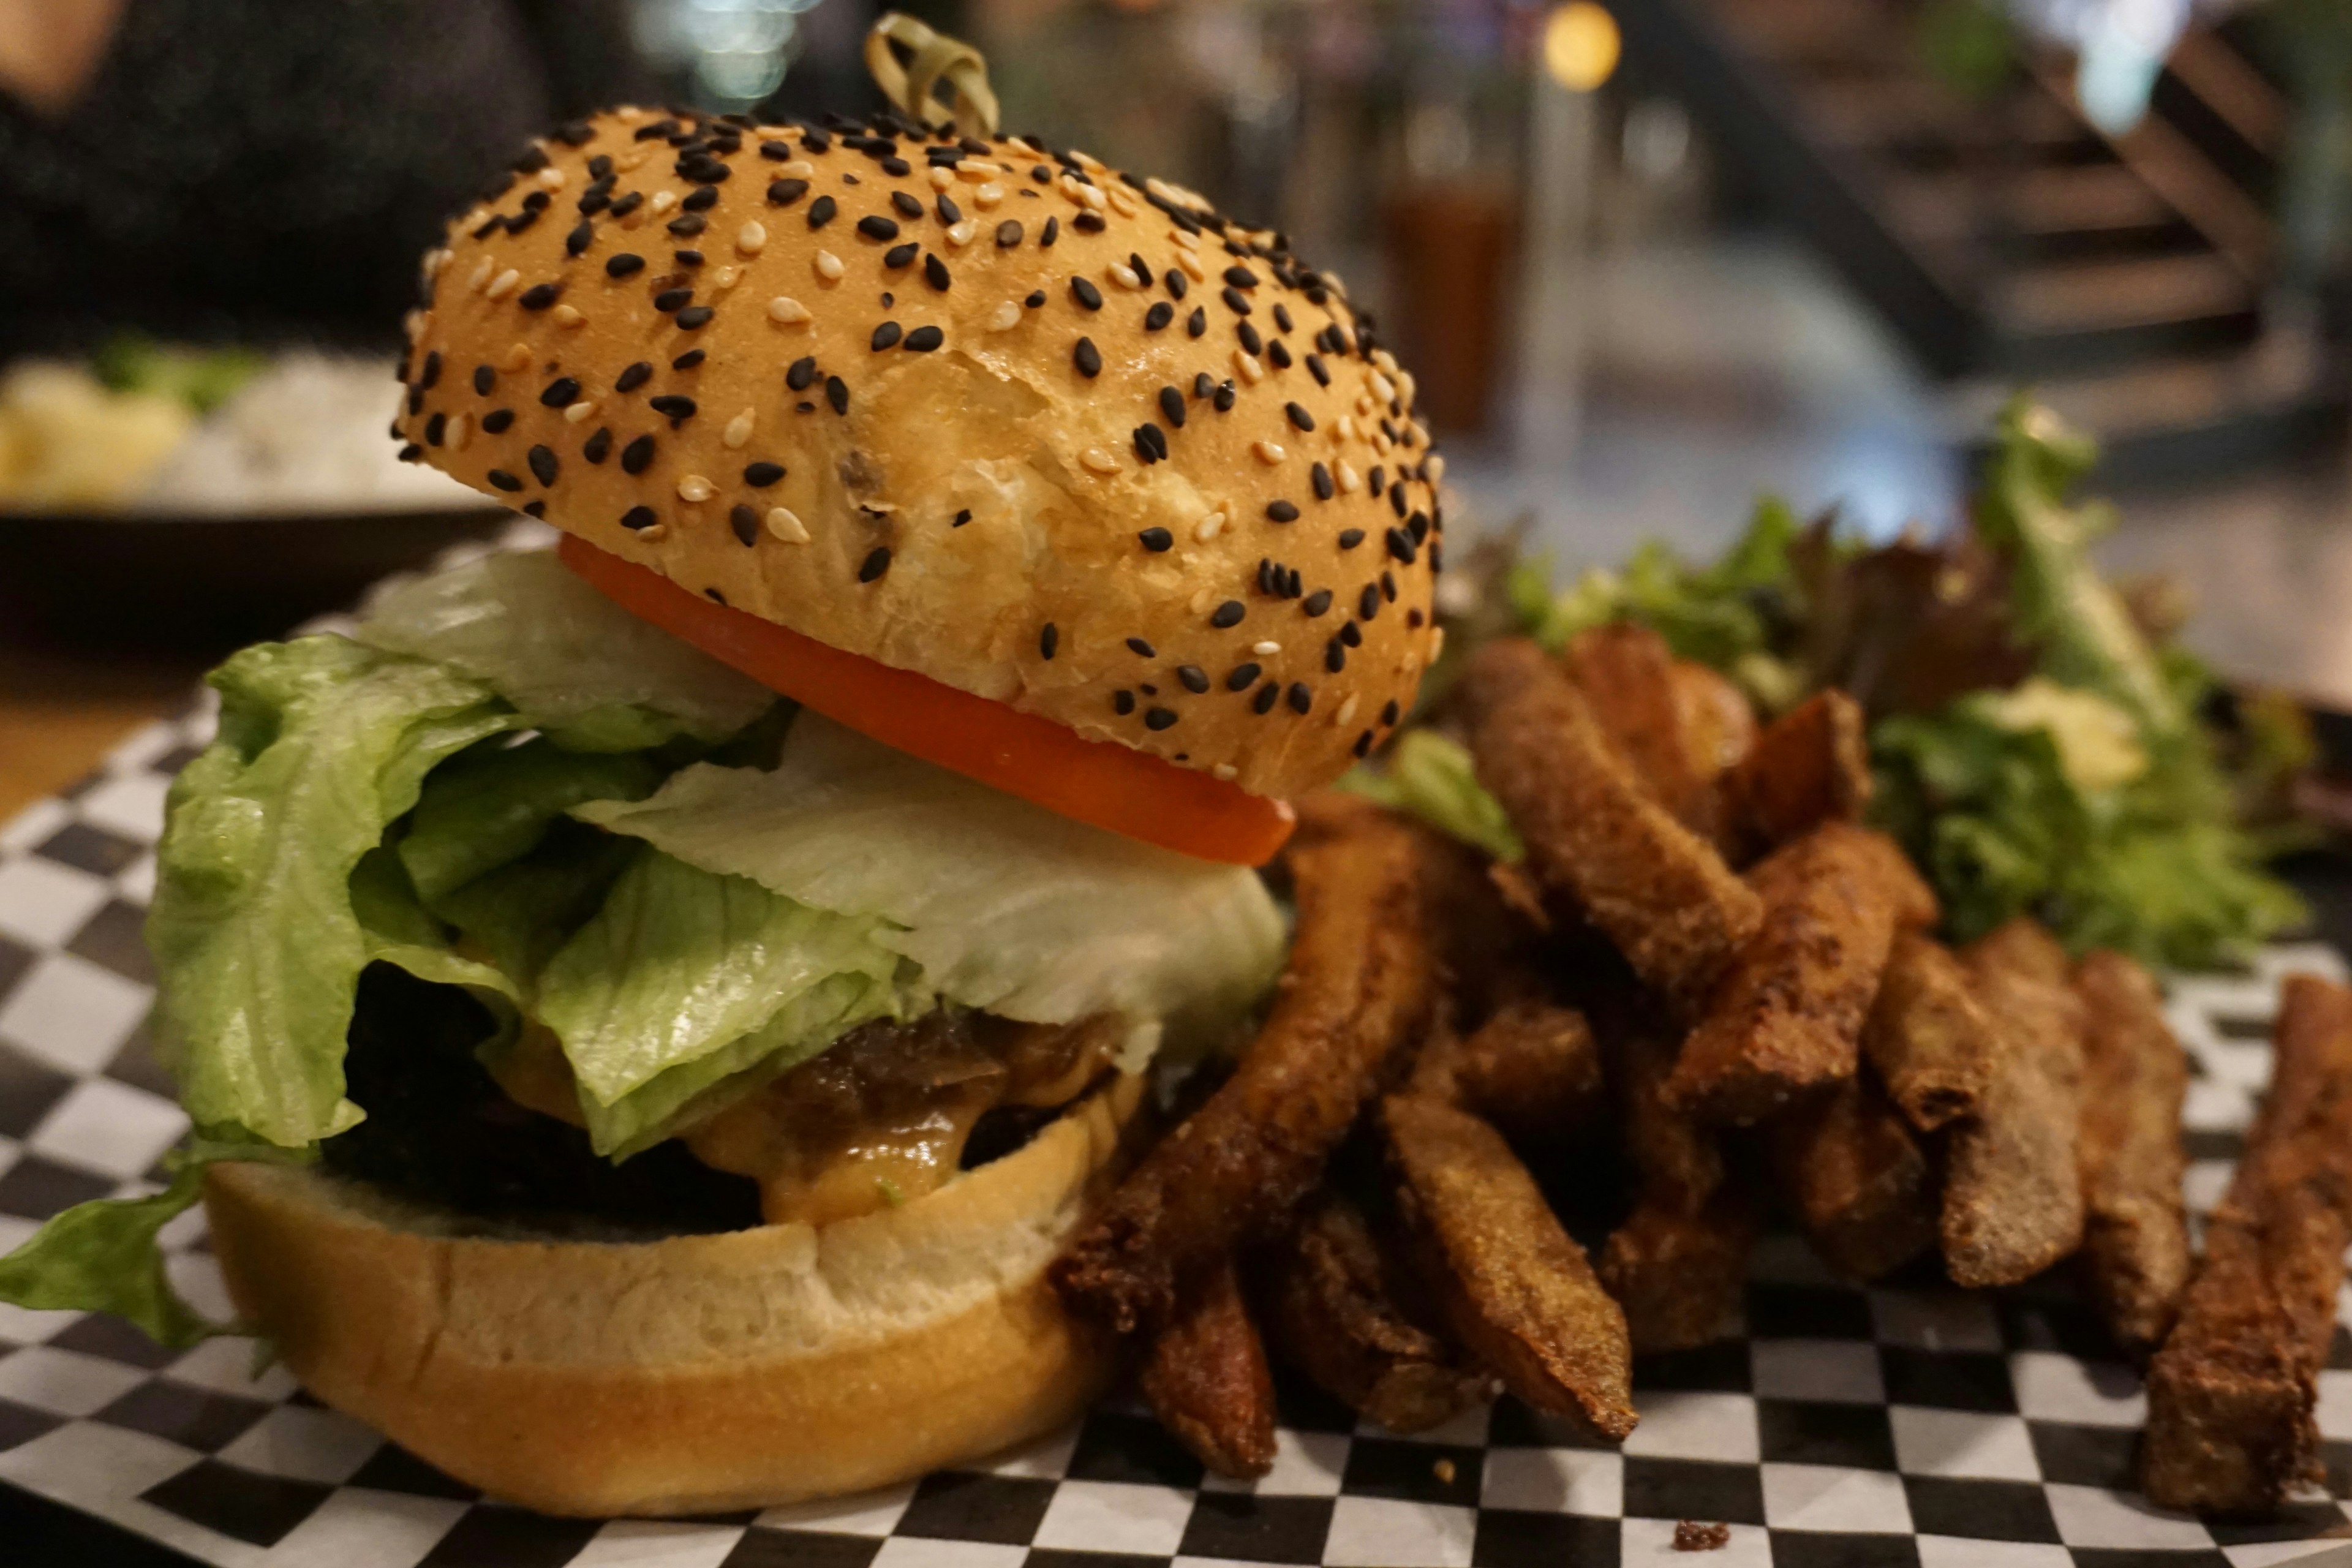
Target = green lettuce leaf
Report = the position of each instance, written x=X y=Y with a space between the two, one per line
x=1431 y=776
x=590 y=673
x=492 y=806
x=1006 y=906
x=101 y=1257
x=258 y=950
x=682 y=963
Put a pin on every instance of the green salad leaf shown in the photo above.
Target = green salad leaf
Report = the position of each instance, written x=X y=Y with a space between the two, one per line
x=1431 y=776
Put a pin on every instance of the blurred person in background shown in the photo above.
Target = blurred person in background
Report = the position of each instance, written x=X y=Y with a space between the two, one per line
x=264 y=169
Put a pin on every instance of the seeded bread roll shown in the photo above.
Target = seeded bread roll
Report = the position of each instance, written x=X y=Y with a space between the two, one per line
x=912 y=397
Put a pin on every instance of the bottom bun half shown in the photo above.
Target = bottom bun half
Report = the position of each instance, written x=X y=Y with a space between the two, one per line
x=694 y=1373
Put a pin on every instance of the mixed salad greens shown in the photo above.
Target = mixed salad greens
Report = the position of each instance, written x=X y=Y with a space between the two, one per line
x=2039 y=742
x=505 y=782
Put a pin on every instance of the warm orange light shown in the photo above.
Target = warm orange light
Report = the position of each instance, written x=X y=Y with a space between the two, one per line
x=1580 y=44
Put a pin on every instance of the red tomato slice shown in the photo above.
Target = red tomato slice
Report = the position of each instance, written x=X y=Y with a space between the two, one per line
x=1097 y=782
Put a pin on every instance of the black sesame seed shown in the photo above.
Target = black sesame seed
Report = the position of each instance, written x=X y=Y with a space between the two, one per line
x=582 y=235
x=628 y=204
x=1363 y=747
x=503 y=481
x=1251 y=341
x=1193 y=679
x=622 y=265
x=1418 y=526
x=1267 y=696
x=561 y=392
x=1227 y=615
x=821 y=212
x=1157 y=540
x=948 y=212
x=1151 y=443
x=1202 y=384
x=1377 y=478
x=416 y=399
x=877 y=561
x=1088 y=223
x=745 y=522
x=1299 y=416
x=1282 y=317
x=907 y=205
x=671 y=299
x=1159 y=316
x=776 y=152
x=693 y=316
x=814 y=139
x=961 y=518
x=702 y=198
x=1320 y=474
x=1396 y=498
x=837 y=392
x=1281 y=512
x=1401 y=545
x=1087 y=358
x=638 y=455
x=1171 y=405
x=760 y=476
x=1317 y=603
x=899 y=256
x=1197 y=323
x=1315 y=368
x=599 y=447
x=1301 y=699
x=1178 y=284
x=686 y=227
x=802 y=372
x=1086 y=293
x=1350 y=636
x=496 y=420
x=1122 y=702
x=672 y=404
x=1158 y=718
x=874 y=226
x=935 y=273
x=923 y=340
x=1141 y=648
x=784 y=192
x=1241 y=277
x=485 y=378
x=436 y=428
x=1278 y=353
x=886 y=336
x=1390 y=713
x=411 y=453
x=1225 y=395
x=429 y=372
x=543 y=465
x=634 y=377
x=897 y=167
x=1036 y=300
x=1008 y=234
x=1052 y=231
x=638 y=517
x=1234 y=302
x=1242 y=678
x=1368 y=603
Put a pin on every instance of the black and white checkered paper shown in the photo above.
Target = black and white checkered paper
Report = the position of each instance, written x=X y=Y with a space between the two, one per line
x=1849 y=1428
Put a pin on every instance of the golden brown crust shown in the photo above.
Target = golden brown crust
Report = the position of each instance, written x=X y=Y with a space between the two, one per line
x=2134 y=1078
x=1856 y=1181
x=956 y=503
x=689 y=1375
x=1207 y=1378
x=1928 y=1037
x=1809 y=766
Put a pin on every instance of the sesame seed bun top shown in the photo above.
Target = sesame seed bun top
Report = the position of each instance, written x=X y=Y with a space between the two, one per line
x=979 y=409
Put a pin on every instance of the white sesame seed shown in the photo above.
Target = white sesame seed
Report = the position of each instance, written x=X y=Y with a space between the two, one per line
x=960 y=234
x=783 y=525
x=942 y=178
x=978 y=170
x=1364 y=403
x=1404 y=385
x=1344 y=427
x=575 y=412
x=828 y=266
x=630 y=162
x=693 y=488
x=1265 y=649
x=1385 y=360
x=1224 y=772
x=1092 y=196
x=654 y=532
x=1126 y=276
x=1070 y=188
x=1382 y=388
x=798 y=169
x=723 y=279
x=1380 y=442
x=502 y=285
x=1086 y=160
x=1436 y=643
x=1006 y=316
x=786 y=310
x=1269 y=452
x=1121 y=203
x=1099 y=461
x=481 y=275
x=565 y=316
x=461 y=430
x=1209 y=527
x=518 y=357
x=739 y=430
x=1437 y=466
x=752 y=237
x=629 y=114
x=988 y=195
x=412 y=326
x=434 y=260
x=1348 y=478
x=663 y=201
x=1183 y=241
x=552 y=177
x=1347 y=712
x=1191 y=264
x=1247 y=365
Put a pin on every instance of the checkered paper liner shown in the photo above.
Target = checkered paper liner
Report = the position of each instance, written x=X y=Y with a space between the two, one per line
x=1849 y=1428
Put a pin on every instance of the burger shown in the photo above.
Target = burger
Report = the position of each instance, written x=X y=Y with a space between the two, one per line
x=651 y=1009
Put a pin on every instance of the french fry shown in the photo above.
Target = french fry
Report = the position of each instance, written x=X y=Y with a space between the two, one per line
x=1678 y=1264
x=1626 y=674
x=1532 y=1068
x=1335 y=1310
x=1809 y=766
x=1928 y=1037
x=1516 y=1287
x=2135 y=1076
x=2013 y=1191
x=1363 y=981
x=1594 y=834
x=2231 y=1394
x=1858 y=1184
x=1718 y=722
x=1206 y=1378
x=1786 y=1018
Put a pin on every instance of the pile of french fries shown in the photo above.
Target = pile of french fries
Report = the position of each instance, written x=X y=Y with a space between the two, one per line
x=1707 y=958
